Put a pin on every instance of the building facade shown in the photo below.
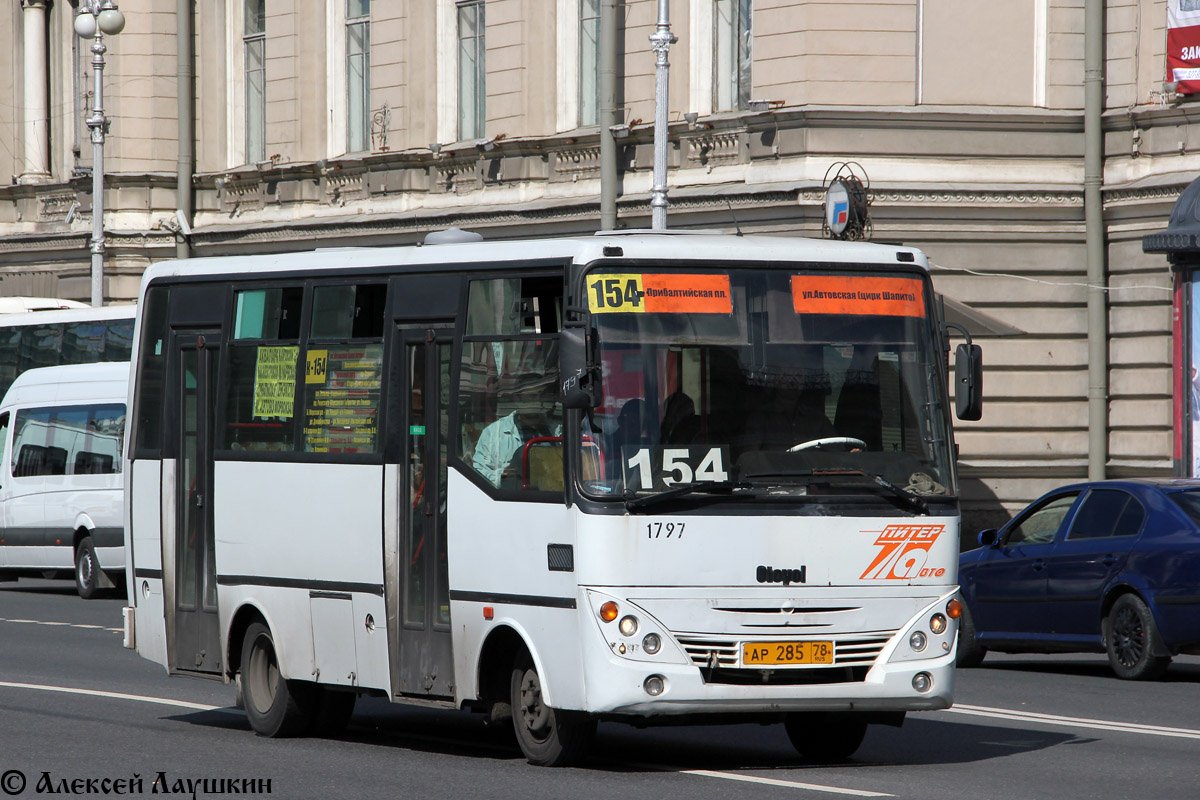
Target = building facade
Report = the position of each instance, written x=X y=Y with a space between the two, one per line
x=352 y=122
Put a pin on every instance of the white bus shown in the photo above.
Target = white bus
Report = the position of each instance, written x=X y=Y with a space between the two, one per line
x=68 y=335
x=61 y=489
x=631 y=476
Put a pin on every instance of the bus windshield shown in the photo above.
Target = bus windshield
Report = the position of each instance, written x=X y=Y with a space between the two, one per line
x=772 y=378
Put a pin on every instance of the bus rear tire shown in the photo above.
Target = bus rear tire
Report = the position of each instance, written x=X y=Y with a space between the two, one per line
x=275 y=706
x=87 y=569
x=548 y=737
x=825 y=736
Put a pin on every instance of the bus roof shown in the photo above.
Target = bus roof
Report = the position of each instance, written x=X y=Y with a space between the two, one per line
x=126 y=311
x=21 y=305
x=106 y=380
x=693 y=246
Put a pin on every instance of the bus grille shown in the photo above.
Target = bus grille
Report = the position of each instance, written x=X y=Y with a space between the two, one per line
x=852 y=650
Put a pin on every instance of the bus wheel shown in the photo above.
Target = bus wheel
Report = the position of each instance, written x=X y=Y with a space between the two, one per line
x=275 y=706
x=87 y=571
x=825 y=736
x=548 y=737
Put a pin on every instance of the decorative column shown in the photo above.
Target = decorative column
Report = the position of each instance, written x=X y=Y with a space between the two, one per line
x=36 y=121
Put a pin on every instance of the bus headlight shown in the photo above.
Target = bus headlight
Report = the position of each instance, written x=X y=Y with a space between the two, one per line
x=628 y=626
x=917 y=641
x=651 y=644
x=937 y=623
x=922 y=682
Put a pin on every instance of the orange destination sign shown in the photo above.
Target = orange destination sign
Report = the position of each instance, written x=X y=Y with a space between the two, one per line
x=868 y=296
x=659 y=294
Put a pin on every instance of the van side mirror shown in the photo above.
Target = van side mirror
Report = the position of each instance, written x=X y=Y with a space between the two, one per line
x=968 y=381
x=578 y=370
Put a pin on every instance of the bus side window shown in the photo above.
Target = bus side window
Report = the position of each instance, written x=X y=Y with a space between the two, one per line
x=260 y=405
x=3 y=437
x=511 y=420
x=343 y=370
x=509 y=416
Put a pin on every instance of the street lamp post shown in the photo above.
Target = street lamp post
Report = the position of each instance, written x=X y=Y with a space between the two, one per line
x=94 y=19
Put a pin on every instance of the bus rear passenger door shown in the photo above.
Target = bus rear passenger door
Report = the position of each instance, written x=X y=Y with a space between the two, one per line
x=424 y=658
x=197 y=636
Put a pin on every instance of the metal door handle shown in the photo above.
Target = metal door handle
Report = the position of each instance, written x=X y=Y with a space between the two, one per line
x=1039 y=565
x=1108 y=561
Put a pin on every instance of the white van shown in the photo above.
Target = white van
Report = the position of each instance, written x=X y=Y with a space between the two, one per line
x=61 y=434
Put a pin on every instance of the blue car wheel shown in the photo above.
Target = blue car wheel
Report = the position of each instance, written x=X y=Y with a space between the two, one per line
x=1131 y=639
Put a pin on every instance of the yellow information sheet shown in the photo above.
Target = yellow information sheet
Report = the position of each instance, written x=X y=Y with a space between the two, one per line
x=342 y=399
x=275 y=382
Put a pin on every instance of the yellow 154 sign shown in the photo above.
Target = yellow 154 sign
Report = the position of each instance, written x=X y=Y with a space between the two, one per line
x=631 y=293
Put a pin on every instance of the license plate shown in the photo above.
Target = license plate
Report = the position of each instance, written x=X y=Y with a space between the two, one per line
x=773 y=653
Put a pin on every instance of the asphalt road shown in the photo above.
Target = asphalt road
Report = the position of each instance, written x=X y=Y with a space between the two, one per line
x=76 y=706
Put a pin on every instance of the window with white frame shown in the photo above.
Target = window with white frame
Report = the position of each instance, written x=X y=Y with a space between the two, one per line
x=471 y=67
x=254 y=50
x=358 y=75
x=731 y=54
x=589 y=62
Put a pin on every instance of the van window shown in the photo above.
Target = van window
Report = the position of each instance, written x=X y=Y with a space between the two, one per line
x=68 y=440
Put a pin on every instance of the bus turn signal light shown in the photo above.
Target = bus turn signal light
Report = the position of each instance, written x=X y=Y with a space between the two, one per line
x=954 y=609
x=608 y=611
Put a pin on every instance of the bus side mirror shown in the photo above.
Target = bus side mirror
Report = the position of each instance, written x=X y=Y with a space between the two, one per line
x=968 y=381
x=580 y=387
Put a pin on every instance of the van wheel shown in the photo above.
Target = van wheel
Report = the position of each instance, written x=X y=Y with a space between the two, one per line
x=548 y=737
x=87 y=570
x=275 y=706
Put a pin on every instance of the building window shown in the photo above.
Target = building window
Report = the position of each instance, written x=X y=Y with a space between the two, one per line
x=589 y=62
x=731 y=54
x=254 y=46
x=358 y=74
x=471 y=90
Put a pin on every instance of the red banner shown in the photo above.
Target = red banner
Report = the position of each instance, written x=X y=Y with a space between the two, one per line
x=1183 y=45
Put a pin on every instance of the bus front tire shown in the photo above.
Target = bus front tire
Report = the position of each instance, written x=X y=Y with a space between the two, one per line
x=275 y=706
x=87 y=569
x=548 y=737
x=825 y=736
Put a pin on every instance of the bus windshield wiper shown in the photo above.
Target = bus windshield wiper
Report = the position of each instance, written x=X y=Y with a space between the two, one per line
x=724 y=487
x=913 y=501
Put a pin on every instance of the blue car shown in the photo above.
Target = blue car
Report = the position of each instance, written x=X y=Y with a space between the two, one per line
x=1107 y=566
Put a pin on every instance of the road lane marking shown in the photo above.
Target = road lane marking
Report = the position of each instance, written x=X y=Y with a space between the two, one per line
x=164 y=701
x=737 y=776
x=1074 y=722
x=811 y=787
x=61 y=624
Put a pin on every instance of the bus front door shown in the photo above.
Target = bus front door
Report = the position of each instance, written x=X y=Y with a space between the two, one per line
x=424 y=658
x=197 y=634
